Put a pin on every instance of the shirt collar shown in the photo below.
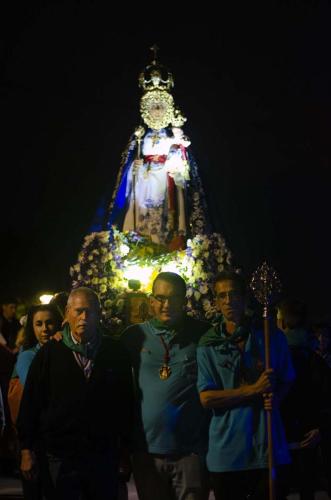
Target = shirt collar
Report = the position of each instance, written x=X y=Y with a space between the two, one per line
x=73 y=338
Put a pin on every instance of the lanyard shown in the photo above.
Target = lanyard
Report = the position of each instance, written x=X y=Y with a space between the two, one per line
x=165 y=370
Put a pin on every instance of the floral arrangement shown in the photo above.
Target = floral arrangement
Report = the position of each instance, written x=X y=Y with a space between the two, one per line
x=108 y=261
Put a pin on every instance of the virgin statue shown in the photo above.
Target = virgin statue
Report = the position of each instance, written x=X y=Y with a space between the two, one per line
x=157 y=219
x=158 y=192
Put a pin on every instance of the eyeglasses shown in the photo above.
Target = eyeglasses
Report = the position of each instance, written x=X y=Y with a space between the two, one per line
x=172 y=299
x=231 y=295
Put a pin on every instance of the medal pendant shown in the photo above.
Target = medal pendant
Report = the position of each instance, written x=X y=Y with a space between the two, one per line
x=164 y=372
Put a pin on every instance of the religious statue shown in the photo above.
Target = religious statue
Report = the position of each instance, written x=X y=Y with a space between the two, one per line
x=157 y=219
x=159 y=193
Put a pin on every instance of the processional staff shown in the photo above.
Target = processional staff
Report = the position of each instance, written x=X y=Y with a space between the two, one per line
x=266 y=287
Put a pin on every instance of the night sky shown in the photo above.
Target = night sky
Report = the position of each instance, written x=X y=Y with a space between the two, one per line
x=255 y=87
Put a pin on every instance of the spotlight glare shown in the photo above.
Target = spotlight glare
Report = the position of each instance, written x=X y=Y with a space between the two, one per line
x=46 y=298
x=136 y=272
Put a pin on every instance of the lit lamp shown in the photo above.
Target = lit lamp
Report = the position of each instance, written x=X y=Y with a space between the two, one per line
x=138 y=274
x=134 y=285
x=45 y=298
x=136 y=303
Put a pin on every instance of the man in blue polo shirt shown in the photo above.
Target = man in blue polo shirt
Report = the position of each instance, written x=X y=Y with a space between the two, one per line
x=170 y=425
x=234 y=383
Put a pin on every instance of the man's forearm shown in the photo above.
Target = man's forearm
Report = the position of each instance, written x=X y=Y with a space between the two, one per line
x=228 y=398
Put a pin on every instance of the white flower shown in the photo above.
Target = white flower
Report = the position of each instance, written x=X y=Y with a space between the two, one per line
x=124 y=249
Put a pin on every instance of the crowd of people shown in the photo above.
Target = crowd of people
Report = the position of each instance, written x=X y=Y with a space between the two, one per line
x=177 y=402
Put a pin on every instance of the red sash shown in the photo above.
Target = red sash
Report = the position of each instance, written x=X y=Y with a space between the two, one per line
x=155 y=158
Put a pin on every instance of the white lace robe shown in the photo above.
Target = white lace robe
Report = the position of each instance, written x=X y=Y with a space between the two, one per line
x=153 y=218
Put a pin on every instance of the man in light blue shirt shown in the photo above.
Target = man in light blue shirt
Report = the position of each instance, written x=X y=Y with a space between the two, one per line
x=234 y=383
x=170 y=432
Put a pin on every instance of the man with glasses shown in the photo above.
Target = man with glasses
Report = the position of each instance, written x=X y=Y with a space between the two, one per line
x=170 y=423
x=234 y=383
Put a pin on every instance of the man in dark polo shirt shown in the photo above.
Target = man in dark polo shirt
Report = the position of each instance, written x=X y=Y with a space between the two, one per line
x=76 y=407
x=169 y=432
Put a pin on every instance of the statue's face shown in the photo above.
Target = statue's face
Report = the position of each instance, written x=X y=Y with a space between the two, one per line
x=157 y=110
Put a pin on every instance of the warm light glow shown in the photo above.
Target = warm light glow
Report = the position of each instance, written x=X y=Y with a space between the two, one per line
x=46 y=298
x=172 y=267
x=136 y=272
x=182 y=266
x=147 y=274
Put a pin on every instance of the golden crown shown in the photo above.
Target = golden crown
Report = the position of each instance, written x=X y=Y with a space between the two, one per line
x=155 y=76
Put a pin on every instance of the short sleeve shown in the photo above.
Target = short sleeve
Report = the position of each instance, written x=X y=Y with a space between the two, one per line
x=206 y=380
x=23 y=363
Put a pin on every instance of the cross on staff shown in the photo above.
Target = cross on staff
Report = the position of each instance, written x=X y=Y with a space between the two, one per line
x=266 y=287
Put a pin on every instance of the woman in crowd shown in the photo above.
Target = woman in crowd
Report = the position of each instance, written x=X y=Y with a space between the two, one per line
x=42 y=322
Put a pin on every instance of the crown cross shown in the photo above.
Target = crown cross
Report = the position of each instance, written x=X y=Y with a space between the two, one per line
x=155 y=50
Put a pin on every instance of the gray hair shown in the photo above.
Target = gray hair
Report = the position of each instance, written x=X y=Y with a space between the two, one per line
x=88 y=292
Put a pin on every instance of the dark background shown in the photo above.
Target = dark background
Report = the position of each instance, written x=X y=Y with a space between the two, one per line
x=255 y=87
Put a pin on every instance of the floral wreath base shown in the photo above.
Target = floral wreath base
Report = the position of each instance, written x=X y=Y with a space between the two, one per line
x=110 y=259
